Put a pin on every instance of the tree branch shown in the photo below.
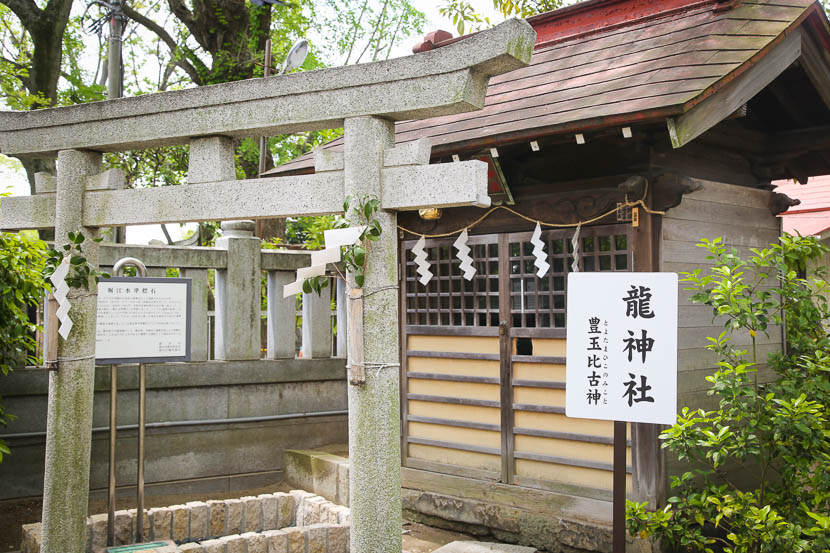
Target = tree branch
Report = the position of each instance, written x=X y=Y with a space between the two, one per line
x=151 y=25
x=26 y=10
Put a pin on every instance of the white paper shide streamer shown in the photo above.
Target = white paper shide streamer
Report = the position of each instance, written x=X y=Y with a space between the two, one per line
x=464 y=256
x=541 y=263
x=575 y=244
x=334 y=240
x=421 y=261
x=58 y=279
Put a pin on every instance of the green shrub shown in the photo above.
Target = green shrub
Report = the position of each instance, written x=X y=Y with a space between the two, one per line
x=774 y=436
x=22 y=263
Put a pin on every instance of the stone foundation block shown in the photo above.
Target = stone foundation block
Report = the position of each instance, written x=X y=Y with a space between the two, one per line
x=235 y=514
x=253 y=514
x=199 y=520
x=269 y=511
x=234 y=543
x=277 y=541
x=296 y=539
x=256 y=543
x=317 y=538
x=99 y=530
x=337 y=539
x=162 y=521
x=180 y=517
x=148 y=526
x=123 y=527
x=218 y=514
x=32 y=537
x=191 y=548
x=213 y=546
x=285 y=509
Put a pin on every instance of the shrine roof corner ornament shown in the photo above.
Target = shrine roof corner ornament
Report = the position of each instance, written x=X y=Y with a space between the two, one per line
x=447 y=81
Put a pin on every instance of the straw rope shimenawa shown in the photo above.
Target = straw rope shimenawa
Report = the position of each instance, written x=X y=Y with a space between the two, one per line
x=641 y=203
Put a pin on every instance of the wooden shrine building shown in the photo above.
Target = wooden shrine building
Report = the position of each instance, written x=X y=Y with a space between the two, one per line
x=693 y=106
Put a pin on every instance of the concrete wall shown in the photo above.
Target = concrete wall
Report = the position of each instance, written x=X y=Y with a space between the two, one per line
x=191 y=457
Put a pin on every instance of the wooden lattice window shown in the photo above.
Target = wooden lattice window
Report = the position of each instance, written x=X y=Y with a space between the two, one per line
x=448 y=299
x=541 y=302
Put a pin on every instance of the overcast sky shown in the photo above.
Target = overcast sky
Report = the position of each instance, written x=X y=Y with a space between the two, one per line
x=13 y=179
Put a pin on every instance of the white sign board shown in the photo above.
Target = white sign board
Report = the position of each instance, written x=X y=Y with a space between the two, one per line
x=622 y=347
x=143 y=320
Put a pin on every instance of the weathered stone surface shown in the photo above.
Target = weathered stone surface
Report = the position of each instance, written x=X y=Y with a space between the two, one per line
x=446 y=80
x=462 y=510
x=234 y=543
x=180 y=522
x=46 y=183
x=374 y=406
x=282 y=316
x=111 y=179
x=162 y=523
x=238 y=293
x=147 y=524
x=31 y=538
x=277 y=541
x=483 y=547
x=123 y=527
x=213 y=546
x=99 y=530
x=253 y=514
x=416 y=152
x=235 y=509
x=199 y=520
x=218 y=515
x=317 y=538
x=327 y=160
x=211 y=159
x=296 y=539
x=285 y=509
x=414 y=187
x=69 y=411
x=338 y=540
x=316 y=326
x=191 y=548
x=256 y=542
x=269 y=511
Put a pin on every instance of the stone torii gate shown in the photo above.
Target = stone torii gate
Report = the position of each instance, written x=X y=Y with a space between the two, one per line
x=365 y=99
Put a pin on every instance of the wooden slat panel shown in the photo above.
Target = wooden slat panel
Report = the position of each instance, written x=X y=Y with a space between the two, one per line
x=533 y=371
x=550 y=421
x=576 y=476
x=472 y=413
x=483 y=438
x=739 y=235
x=571 y=449
x=691 y=209
x=466 y=344
x=457 y=457
x=548 y=347
x=454 y=366
x=460 y=390
x=539 y=396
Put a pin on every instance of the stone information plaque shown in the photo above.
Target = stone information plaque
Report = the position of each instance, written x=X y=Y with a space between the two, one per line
x=622 y=347
x=143 y=320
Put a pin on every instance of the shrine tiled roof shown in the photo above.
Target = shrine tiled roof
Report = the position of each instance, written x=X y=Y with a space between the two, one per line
x=603 y=63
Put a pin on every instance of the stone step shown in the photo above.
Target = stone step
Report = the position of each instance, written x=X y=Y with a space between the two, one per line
x=483 y=547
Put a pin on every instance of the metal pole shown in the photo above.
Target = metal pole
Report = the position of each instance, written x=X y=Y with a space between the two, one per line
x=141 y=269
x=113 y=430
x=620 y=431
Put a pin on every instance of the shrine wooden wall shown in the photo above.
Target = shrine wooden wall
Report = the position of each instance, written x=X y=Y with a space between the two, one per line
x=742 y=217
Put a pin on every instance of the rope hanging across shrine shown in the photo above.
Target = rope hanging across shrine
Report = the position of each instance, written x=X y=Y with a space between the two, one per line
x=538 y=251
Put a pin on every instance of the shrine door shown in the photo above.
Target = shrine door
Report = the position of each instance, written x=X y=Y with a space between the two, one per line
x=483 y=362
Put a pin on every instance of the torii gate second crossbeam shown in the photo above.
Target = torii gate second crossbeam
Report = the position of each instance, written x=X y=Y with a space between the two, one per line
x=366 y=100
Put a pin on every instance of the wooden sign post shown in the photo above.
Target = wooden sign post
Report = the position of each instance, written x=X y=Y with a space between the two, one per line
x=622 y=359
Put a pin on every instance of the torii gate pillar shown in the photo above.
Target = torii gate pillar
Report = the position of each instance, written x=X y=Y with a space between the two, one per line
x=69 y=415
x=374 y=407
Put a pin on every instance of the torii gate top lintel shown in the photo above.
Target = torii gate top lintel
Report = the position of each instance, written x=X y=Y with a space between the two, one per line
x=444 y=81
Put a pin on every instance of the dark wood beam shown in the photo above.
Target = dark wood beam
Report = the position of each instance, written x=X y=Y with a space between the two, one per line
x=717 y=107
